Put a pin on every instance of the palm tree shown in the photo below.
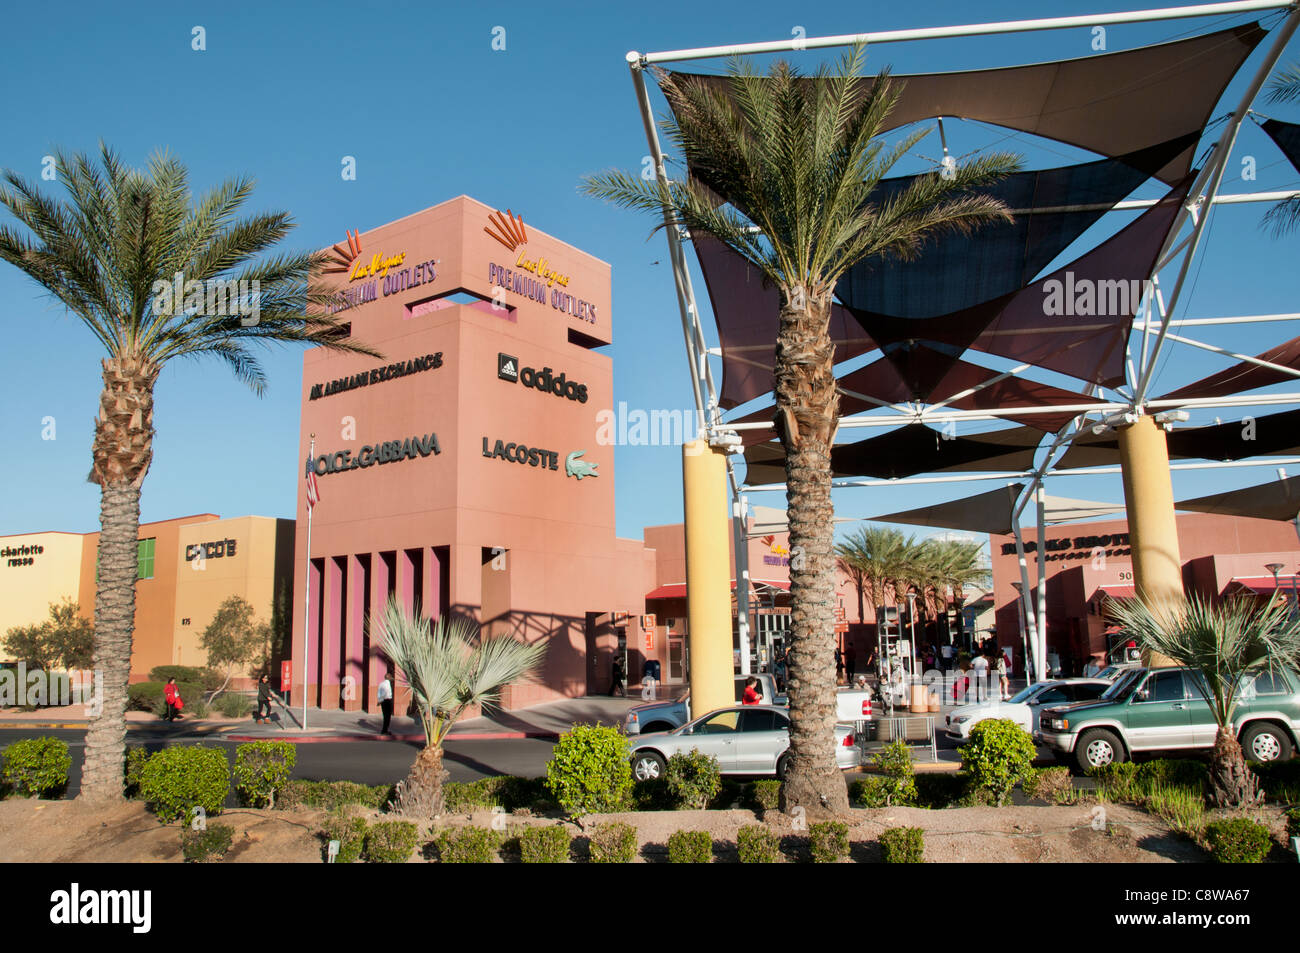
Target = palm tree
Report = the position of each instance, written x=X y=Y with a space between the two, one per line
x=875 y=558
x=449 y=668
x=1284 y=87
x=951 y=564
x=106 y=254
x=1227 y=643
x=797 y=159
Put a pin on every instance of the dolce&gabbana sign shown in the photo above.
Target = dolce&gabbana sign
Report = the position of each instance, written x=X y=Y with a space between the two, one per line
x=390 y=451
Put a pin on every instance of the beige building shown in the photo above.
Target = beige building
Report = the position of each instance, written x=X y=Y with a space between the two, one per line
x=36 y=569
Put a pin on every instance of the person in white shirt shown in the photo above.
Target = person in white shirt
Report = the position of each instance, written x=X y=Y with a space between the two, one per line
x=385 y=696
x=981 y=667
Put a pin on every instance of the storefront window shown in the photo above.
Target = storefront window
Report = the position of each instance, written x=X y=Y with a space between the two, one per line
x=144 y=558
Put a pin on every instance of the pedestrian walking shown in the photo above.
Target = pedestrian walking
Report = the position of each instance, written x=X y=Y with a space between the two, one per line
x=172 y=696
x=851 y=661
x=1004 y=683
x=264 y=699
x=839 y=664
x=980 y=666
x=385 y=696
x=780 y=670
x=751 y=695
x=616 y=690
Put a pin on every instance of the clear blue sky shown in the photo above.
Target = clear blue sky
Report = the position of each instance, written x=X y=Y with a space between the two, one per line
x=285 y=90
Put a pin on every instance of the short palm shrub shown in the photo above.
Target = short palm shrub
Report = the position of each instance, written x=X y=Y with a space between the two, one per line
x=36 y=767
x=894 y=761
x=757 y=845
x=612 y=843
x=390 y=842
x=261 y=769
x=999 y=755
x=765 y=795
x=1238 y=841
x=690 y=847
x=233 y=705
x=349 y=830
x=903 y=845
x=468 y=845
x=206 y=845
x=828 y=841
x=544 y=845
x=693 y=779
x=1050 y=784
x=589 y=771
x=177 y=780
x=330 y=795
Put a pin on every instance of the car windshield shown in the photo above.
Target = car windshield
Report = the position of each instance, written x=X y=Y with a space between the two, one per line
x=1123 y=685
x=1025 y=694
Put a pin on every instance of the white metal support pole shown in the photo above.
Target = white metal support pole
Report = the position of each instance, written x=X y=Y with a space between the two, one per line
x=1219 y=165
x=306 y=612
x=741 y=524
x=1023 y=599
x=1041 y=630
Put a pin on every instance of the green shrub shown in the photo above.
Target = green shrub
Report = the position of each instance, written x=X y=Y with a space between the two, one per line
x=505 y=791
x=1292 y=823
x=765 y=795
x=390 y=842
x=198 y=709
x=349 y=830
x=757 y=845
x=329 y=795
x=690 y=847
x=589 y=771
x=870 y=792
x=693 y=780
x=468 y=845
x=1049 y=784
x=903 y=845
x=1183 y=808
x=177 y=780
x=544 y=845
x=232 y=704
x=731 y=794
x=36 y=767
x=207 y=845
x=941 y=790
x=894 y=761
x=998 y=756
x=612 y=843
x=651 y=795
x=829 y=841
x=1238 y=841
x=261 y=768
x=136 y=757
x=209 y=680
x=1135 y=783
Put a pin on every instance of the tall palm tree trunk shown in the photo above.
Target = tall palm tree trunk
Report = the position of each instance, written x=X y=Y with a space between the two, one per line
x=122 y=450
x=807 y=400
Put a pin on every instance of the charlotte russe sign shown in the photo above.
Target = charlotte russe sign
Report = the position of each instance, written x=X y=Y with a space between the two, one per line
x=20 y=555
x=390 y=451
x=536 y=279
x=376 y=376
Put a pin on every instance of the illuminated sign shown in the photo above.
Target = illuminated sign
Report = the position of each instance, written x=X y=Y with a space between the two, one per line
x=390 y=451
x=376 y=376
x=531 y=278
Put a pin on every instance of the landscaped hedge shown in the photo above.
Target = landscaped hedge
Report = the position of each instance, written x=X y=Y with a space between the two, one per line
x=1238 y=841
x=589 y=771
x=903 y=845
x=755 y=844
x=349 y=830
x=36 y=767
x=690 y=847
x=208 y=679
x=693 y=780
x=612 y=843
x=999 y=755
x=330 y=795
x=829 y=842
x=390 y=842
x=176 y=780
x=504 y=791
x=149 y=696
x=261 y=769
x=468 y=845
x=544 y=845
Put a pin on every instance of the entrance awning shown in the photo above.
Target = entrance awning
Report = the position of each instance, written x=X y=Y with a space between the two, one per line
x=1116 y=592
x=1261 y=585
x=677 y=590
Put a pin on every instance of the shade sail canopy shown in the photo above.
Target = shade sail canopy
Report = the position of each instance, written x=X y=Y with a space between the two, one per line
x=678 y=590
x=1111 y=104
x=1278 y=500
x=770 y=519
x=1265 y=435
x=992 y=512
x=747 y=310
x=1244 y=375
x=1287 y=137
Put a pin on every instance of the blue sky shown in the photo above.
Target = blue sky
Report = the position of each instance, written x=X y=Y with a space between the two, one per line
x=284 y=91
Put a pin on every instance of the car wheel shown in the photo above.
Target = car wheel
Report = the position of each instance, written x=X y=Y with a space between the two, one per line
x=1098 y=748
x=782 y=765
x=647 y=766
x=1266 y=742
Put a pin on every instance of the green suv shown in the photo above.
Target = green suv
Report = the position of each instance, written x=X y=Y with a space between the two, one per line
x=1164 y=709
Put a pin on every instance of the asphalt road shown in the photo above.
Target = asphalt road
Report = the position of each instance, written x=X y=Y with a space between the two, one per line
x=369 y=762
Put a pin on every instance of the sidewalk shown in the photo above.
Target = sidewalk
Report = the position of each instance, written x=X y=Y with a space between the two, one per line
x=541 y=721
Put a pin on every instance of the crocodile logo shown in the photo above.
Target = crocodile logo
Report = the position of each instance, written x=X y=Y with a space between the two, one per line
x=575 y=467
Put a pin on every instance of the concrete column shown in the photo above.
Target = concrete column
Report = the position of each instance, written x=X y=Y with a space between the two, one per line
x=1153 y=529
x=377 y=663
x=332 y=641
x=354 y=633
x=708 y=576
x=431 y=584
x=310 y=675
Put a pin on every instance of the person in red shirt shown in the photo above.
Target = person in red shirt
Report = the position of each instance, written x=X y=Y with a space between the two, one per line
x=751 y=696
x=172 y=696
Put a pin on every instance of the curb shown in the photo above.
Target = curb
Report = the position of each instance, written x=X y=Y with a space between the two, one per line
x=480 y=736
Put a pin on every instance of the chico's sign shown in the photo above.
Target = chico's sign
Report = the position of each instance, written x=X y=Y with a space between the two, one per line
x=213 y=550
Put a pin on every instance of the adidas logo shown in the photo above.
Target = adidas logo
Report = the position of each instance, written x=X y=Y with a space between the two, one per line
x=508 y=367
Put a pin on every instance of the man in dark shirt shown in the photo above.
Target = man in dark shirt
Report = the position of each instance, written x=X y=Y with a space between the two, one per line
x=264 y=699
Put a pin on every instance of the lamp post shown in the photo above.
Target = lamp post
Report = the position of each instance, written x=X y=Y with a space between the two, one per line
x=1274 y=568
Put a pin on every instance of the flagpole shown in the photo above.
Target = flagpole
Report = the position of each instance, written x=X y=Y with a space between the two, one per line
x=306 y=615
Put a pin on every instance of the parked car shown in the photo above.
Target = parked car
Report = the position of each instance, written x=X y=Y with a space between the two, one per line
x=1024 y=706
x=1164 y=709
x=851 y=704
x=745 y=739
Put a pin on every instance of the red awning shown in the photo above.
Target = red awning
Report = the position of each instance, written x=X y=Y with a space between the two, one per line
x=677 y=590
x=1117 y=592
x=1263 y=585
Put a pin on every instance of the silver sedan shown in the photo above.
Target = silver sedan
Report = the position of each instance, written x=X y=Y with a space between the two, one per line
x=745 y=739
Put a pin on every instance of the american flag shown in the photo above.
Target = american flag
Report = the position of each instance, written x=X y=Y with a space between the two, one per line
x=313 y=492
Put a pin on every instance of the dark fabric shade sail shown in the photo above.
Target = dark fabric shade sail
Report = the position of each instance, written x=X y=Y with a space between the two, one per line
x=1265 y=435
x=1244 y=375
x=1287 y=137
x=1110 y=104
x=1279 y=500
x=993 y=511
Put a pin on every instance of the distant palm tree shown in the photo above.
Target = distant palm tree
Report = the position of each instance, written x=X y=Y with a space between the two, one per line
x=1284 y=87
x=449 y=668
x=1226 y=643
x=875 y=557
x=107 y=254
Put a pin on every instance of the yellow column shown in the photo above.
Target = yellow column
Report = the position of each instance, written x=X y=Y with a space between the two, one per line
x=1153 y=529
x=708 y=577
